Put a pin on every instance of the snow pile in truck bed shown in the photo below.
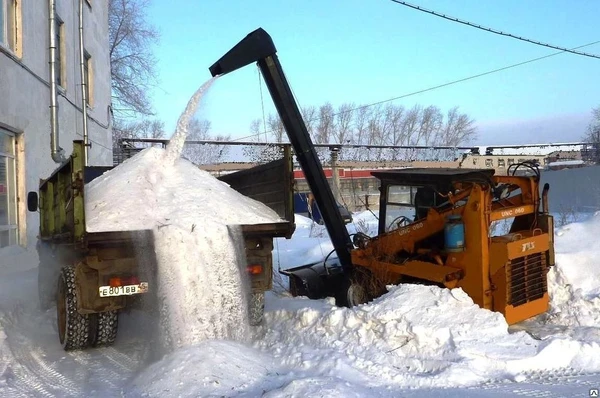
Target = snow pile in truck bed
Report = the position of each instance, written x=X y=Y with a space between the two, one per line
x=145 y=192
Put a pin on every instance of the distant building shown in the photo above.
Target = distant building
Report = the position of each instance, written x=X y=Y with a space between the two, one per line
x=25 y=103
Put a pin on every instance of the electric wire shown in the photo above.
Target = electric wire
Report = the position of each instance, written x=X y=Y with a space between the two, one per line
x=491 y=30
x=450 y=83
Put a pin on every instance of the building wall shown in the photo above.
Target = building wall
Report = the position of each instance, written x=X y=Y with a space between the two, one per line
x=25 y=100
x=498 y=162
x=573 y=190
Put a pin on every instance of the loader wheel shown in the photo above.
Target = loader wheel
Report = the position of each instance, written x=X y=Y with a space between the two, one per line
x=356 y=294
x=256 y=308
x=73 y=327
x=106 y=325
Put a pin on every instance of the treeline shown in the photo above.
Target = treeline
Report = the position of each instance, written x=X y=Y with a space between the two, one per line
x=387 y=124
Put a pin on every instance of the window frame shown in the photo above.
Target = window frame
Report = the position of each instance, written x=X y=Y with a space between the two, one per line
x=11 y=190
x=89 y=78
x=60 y=74
x=10 y=26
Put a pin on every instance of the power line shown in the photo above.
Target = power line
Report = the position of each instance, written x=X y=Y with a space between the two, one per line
x=495 y=31
x=440 y=85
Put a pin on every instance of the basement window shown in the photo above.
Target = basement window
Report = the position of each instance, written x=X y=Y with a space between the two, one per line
x=8 y=185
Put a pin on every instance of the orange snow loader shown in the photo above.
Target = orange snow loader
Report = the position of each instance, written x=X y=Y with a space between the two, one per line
x=435 y=225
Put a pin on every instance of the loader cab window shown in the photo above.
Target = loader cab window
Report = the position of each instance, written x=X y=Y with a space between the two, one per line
x=399 y=208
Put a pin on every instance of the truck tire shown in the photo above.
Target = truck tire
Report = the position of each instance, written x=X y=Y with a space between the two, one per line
x=107 y=325
x=256 y=308
x=73 y=327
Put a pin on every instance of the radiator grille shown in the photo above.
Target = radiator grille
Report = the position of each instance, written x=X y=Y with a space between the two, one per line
x=526 y=279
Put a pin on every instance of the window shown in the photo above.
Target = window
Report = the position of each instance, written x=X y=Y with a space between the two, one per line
x=88 y=75
x=60 y=33
x=9 y=25
x=489 y=163
x=511 y=162
x=8 y=197
x=501 y=163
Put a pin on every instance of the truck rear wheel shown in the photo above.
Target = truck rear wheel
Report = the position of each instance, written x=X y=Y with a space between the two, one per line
x=107 y=324
x=73 y=327
x=256 y=308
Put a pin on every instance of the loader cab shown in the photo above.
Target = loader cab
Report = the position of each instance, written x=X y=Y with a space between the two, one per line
x=407 y=195
x=403 y=204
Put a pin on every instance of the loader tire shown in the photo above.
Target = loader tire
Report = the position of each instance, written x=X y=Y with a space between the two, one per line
x=73 y=327
x=256 y=308
x=106 y=327
x=356 y=294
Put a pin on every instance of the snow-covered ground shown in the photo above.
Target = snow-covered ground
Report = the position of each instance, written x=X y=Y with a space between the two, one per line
x=414 y=341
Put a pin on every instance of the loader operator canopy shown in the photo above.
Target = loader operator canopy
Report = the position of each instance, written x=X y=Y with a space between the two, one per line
x=408 y=194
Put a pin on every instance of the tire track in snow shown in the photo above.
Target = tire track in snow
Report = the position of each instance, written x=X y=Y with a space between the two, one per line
x=36 y=372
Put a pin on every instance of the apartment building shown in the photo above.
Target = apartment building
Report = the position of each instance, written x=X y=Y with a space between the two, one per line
x=54 y=88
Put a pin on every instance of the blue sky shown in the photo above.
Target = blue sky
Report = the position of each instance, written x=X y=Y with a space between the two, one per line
x=371 y=50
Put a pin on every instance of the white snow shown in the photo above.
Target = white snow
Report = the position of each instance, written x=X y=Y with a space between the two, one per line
x=410 y=342
x=413 y=337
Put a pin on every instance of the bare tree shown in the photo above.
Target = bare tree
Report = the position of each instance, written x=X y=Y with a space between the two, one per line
x=459 y=129
x=145 y=128
x=309 y=114
x=431 y=123
x=410 y=124
x=361 y=121
x=343 y=123
x=199 y=130
x=394 y=115
x=592 y=136
x=132 y=62
x=325 y=124
x=260 y=153
x=275 y=126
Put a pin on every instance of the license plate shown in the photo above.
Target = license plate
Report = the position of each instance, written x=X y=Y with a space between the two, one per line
x=128 y=290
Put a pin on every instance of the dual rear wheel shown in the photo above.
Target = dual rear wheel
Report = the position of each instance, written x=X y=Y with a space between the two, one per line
x=79 y=331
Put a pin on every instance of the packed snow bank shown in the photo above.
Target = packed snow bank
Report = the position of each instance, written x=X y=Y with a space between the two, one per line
x=212 y=368
x=574 y=283
x=414 y=336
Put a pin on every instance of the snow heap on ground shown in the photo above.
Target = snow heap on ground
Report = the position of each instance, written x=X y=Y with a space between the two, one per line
x=574 y=283
x=200 y=283
x=413 y=337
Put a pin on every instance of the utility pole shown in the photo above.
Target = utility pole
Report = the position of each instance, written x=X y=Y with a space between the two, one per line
x=335 y=177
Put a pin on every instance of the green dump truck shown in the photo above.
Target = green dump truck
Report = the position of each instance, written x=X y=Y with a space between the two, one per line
x=92 y=276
